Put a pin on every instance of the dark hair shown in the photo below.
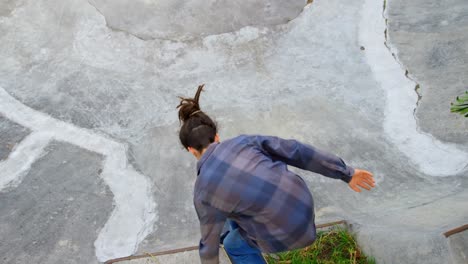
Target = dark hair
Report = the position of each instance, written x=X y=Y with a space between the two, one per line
x=198 y=130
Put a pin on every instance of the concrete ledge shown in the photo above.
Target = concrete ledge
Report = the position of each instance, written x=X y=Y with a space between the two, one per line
x=458 y=244
x=189 y=255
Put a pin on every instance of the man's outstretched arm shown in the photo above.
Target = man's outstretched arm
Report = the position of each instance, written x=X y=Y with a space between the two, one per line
x=307 y=157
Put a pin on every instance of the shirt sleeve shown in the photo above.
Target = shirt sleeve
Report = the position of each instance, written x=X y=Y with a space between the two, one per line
x=303 y=156
x=211 y=224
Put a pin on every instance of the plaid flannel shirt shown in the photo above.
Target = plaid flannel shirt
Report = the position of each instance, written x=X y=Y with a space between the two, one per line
x=246 y=179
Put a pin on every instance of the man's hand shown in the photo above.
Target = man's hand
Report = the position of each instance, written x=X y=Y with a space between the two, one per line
x=363 y=179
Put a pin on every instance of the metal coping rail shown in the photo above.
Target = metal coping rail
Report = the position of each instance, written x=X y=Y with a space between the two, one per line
x=456 y=230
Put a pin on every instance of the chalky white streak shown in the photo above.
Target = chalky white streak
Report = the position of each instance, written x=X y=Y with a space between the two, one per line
x=134 y=213
x=432 y=156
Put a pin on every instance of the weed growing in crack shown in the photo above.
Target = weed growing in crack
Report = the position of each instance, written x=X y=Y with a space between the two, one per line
x=334 y=246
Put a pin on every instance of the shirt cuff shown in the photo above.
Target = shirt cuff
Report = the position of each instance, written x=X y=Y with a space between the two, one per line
x=348 y=174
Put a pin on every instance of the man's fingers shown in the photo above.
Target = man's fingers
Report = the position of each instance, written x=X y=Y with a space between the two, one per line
x=371 y=181
x=370 y=184
x=362 y=179
x=356 y=189
x=364 y=175
x=363 y=185
x=368 y=177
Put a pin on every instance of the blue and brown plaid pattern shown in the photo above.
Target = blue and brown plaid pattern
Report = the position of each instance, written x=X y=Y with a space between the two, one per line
x=246 y=179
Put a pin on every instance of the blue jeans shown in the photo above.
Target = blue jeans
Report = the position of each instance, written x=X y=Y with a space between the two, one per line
x=239 y=251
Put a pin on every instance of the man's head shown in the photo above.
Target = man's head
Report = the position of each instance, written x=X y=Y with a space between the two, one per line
x=198 y=131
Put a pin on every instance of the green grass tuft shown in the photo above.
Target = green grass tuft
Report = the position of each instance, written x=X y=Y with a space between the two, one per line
x=461 y=105
x=336 y=246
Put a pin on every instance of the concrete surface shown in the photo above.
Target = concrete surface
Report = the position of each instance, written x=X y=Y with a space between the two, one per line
x=431 y=42
x=73 y=72
x=458 y=247
x=10 y=135
x=57 y=211
x=183 y=20
x=187 y=257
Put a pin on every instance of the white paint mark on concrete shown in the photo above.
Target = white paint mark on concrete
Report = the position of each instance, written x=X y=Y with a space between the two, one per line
x=135 y=210
x=432 y=156
x=21 y=158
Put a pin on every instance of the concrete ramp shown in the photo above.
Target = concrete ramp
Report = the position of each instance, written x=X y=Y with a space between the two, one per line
x=88 y=91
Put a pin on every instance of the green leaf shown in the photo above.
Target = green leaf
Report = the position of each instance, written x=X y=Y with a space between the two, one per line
x=461 y=105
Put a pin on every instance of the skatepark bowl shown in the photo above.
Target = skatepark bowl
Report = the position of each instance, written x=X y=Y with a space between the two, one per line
x=90 y=164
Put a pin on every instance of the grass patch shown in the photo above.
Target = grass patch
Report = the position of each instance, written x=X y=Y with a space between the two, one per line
x=336 y=246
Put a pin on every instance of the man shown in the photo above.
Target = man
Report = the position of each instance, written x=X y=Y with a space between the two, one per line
x=245 y=181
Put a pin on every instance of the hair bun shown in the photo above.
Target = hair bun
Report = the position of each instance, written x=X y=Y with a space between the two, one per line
x=198 y=130
x=189 y=106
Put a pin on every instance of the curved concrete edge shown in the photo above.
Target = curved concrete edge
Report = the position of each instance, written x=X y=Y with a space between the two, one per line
x=458 y=243
x=162 y=20
x=189 y=255
x=135 y=211
x=432 y=156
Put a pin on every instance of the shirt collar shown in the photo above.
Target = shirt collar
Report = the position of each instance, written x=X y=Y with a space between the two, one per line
x=205 y=155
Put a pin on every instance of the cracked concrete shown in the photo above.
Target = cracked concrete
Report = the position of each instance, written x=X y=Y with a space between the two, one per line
x=325 y=77
x=185 y=20
x=116 y=29
x=433 y=47
x=432 y=156
x=389 y=47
